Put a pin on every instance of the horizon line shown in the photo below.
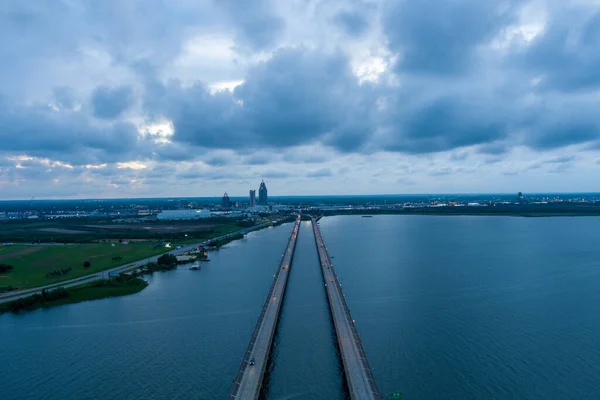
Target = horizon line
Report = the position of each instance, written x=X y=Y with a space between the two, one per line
x=298 y=195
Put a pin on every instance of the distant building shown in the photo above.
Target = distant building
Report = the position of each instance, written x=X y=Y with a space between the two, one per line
x=225 y=202
x=183 y=214
x=262 y=194
x=182 y=205
x=252 y=199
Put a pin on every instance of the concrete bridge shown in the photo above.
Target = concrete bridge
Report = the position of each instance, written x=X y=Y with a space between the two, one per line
x=361 y=383
x=248 y=381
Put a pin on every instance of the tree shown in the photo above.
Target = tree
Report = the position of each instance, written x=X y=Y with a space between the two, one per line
x=5 y=268
x=167 y=259
x=87 y=264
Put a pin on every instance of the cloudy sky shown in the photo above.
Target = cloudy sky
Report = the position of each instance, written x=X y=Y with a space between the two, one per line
x=145 y=98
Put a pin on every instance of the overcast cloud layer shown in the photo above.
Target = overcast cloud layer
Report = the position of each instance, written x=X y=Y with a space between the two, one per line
x=194 y=98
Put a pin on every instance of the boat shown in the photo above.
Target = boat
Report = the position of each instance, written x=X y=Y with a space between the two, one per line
x=204 y=259
x=195 y=268
x=367 y=216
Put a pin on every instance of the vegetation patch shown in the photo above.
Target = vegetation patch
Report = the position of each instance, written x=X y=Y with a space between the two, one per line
x=31 y=268
x=6 y=268
x=120 y=286
x=58 y=272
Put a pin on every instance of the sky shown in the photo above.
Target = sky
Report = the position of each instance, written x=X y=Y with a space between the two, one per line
x=160 y=98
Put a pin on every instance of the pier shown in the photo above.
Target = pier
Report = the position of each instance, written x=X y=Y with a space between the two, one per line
x=248 y=381
x=359 y=377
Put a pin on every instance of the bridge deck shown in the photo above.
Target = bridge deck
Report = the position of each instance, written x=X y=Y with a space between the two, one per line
x=248 y=381
x=361 y=383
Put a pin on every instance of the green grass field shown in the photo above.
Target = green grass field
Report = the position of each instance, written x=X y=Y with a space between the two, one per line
x=32 y=263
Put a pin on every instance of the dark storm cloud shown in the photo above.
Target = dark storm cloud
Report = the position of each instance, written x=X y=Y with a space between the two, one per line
x=562 y=133
x=450 y=95
x=297 y=97
x=446 y=124
x=109 y=103
x=566 y=56
x=441 y=37
x=257 y=26
x=66 y=136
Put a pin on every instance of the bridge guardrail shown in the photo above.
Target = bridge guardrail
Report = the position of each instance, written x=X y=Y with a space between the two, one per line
x=365 y=363
x=249 y=349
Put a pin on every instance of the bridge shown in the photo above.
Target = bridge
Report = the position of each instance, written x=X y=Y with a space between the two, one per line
x=359 y=377
x=248 y=381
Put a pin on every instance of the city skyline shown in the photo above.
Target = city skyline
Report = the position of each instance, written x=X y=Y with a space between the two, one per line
x=318 y=98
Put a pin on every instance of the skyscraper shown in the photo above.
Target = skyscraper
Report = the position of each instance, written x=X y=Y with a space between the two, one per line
x=262 y=194
x=226 y=203
x=252 y=197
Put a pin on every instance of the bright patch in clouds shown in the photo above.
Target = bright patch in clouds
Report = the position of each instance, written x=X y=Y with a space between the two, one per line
x=160 y=132
x=371 y=69
x=224 y=85
x=131 y=165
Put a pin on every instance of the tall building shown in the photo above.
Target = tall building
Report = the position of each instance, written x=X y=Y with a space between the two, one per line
x=182 y=205
x=225 y=202
x=252 y=198
x=262 y=194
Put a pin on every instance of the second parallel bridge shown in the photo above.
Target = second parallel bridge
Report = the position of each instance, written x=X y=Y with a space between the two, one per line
x=248 y=381
x=361 y=383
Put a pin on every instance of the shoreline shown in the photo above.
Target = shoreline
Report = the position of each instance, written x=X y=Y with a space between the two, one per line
x=97 y=289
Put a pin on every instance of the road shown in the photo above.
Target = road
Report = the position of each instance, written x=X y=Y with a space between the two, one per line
x=248 y=381
x=359 y=377
x=10 y=296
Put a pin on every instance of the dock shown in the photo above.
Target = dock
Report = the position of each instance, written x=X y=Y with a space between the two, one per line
x=248 y=381
x=361 y=383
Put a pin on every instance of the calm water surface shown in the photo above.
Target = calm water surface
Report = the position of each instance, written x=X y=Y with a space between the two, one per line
x=447 y=307
x=182 y=337
x=474 y=307
x=304 y=360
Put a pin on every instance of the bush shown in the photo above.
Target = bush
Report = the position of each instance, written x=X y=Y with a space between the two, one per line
x=87 y=264
x=167 y=259
x=58 y=272
x=5 y=268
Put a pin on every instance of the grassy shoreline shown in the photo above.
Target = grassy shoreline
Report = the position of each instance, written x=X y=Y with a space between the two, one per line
x=101 y=289
x=96 y=290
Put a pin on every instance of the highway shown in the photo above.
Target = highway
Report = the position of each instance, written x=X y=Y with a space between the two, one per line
x=10 y=296
x=361 y=384
x=248 y=381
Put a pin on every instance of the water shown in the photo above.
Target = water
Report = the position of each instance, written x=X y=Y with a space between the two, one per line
x=305 y=364
x=447 y=308
x=474 y=307
x=182 y=337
